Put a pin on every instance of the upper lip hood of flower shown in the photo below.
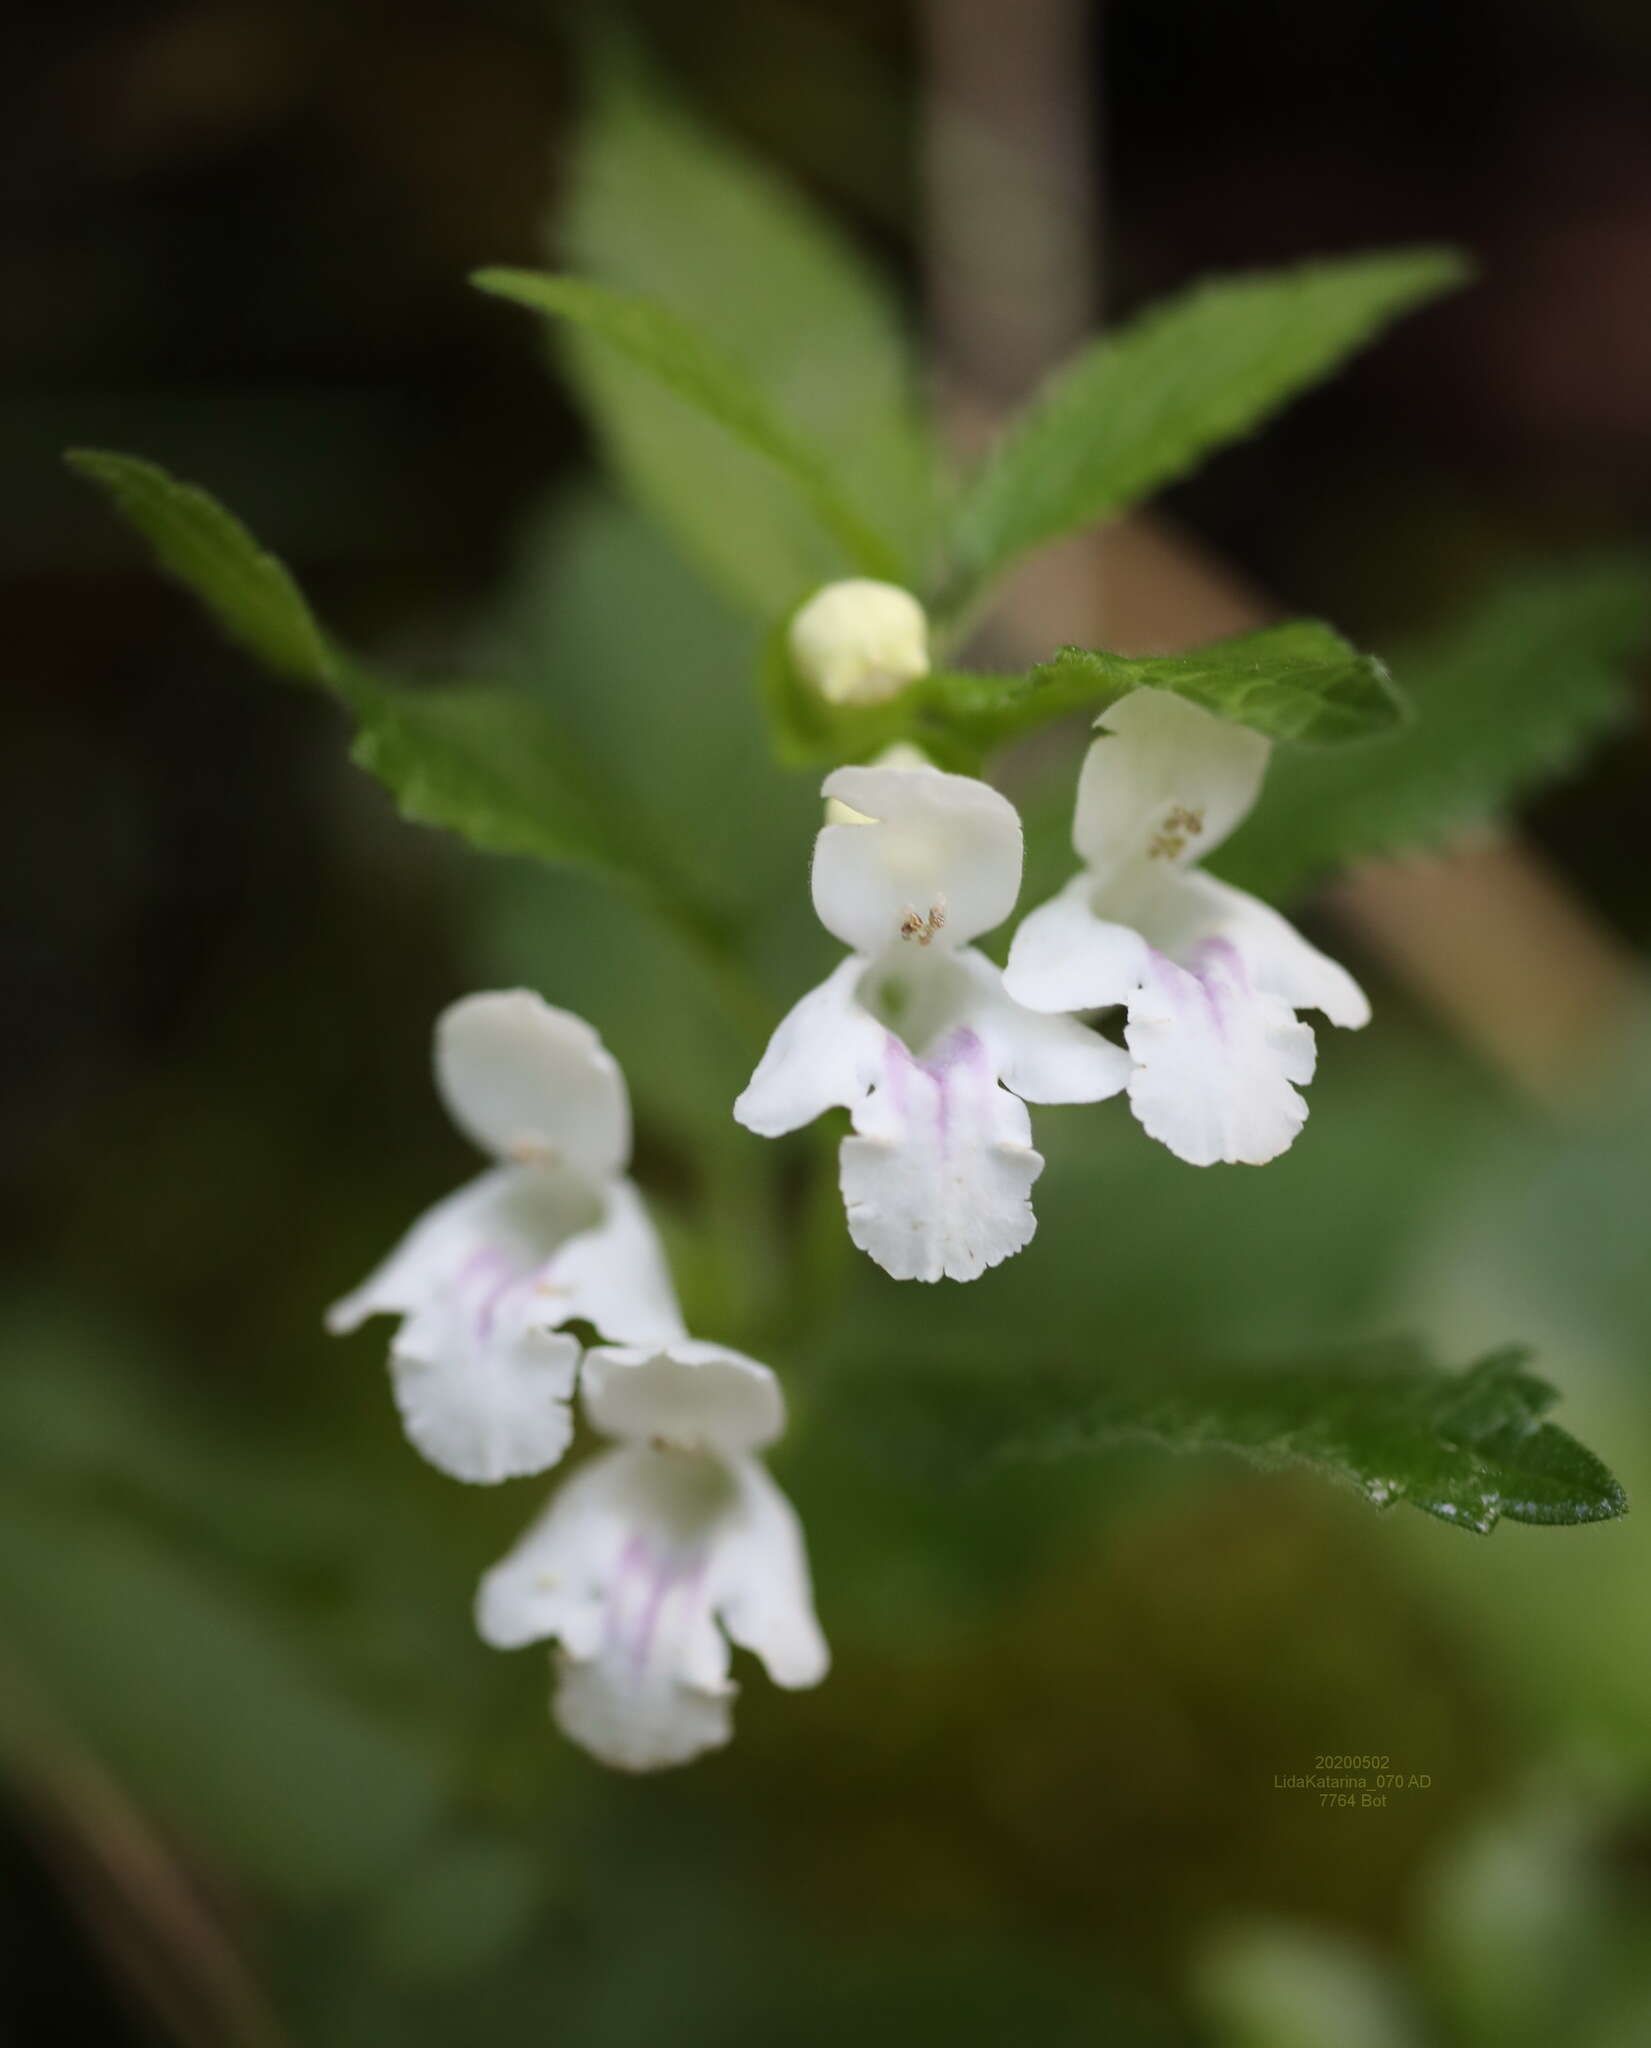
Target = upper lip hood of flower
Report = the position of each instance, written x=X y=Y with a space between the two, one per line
x=686 y=1393
x=533 y=1085
x=937 y=859
x=1164 y=784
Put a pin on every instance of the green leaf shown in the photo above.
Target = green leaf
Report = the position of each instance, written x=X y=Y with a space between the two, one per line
x=668 y=716
x=1469 y=1447
x=1296 y=682
x=492 y=766
x=247 y=591
x=1300 y=682
x=674 y=353
x=1507 y=698
x=1135 y=410
x=664 y=206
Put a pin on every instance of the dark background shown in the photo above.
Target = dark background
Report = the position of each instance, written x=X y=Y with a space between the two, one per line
x=235 y=237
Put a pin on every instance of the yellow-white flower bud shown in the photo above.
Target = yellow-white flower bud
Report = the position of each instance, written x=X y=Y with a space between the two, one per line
x=860 y=642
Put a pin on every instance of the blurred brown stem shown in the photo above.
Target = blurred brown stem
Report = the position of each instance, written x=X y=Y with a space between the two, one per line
x=131 y=1892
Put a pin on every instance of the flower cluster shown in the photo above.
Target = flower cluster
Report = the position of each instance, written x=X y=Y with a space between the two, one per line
x=935 y=1052
x=665 y=1548
x=648 y=1547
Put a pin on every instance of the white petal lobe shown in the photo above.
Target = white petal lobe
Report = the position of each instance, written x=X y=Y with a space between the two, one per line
x=937 y=1179
x=1040 y=1058
x=495 y=1407
x=614 y=1276
x=1064 y=957
x=762 y=1586
x=824 y=1055
x=520 y=1214
x=1276 y=956
x=1216 y=1060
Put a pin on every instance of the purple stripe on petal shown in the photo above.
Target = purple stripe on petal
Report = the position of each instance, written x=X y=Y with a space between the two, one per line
x=644 y=1582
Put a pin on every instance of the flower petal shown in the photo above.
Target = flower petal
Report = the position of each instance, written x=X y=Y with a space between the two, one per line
x=1197 y=909
x=481 y=1279
x=761 y=1587
x=640 y=1726
x=824 y=1055
x=1166 y=783
x=508 y=1220
x=1064 y=957
x=624 y=1569
x=937 y=862
x=1216 y=1058
x=614 y=1276
x=1040 y=1058
x=936 y=1182
x=532 y=1084
x=553 y=1583
x=487 y=1408
x=691 y=1395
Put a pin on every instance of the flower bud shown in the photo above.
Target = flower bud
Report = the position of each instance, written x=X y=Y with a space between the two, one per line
x=860 y=642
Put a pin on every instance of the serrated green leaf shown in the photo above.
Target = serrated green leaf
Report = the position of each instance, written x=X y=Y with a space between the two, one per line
x=487 y=764
x=674 y=353
x=1134 y=410
x=1469 y=1447
x=1297 y=682
x=247 y=591
x=662 y=204
x=1506 y=698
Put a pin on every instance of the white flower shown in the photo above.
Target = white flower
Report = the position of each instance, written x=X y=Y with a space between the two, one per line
x=860 y=642
x=553 y=1234
x=1211 y=978
x=914 y=1033
x=656 y=1555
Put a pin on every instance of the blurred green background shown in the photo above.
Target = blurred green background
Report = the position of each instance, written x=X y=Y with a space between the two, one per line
x=264 y=1784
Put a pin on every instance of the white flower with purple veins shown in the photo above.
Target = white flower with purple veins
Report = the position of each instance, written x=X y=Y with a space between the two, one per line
x=1211 y=978
x=656 y=1555
x=914 y=1033
x=482 y=1370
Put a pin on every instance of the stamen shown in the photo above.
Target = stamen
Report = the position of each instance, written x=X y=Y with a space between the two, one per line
x=1181 y=826
x=915 y=925
x=532 y=1152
